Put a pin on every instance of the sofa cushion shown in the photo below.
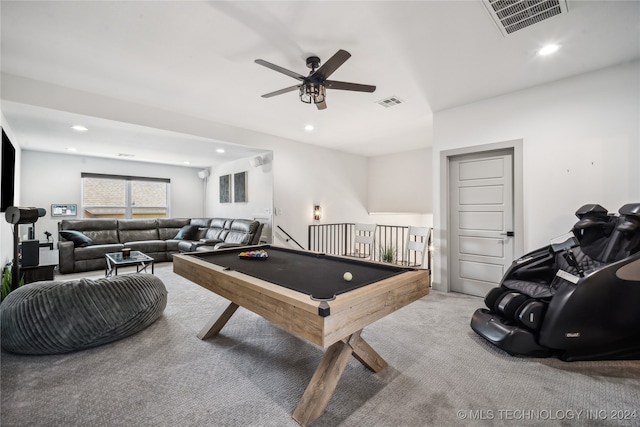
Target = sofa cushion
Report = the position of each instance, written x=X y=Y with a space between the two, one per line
x=188 y=232
x=101 y=231
x=218 y=229
x=96 y=251
x=242 y=231
x=79 y=240
x=169 y=227
x=147 y=246
x=134 y=230
x=172 y=245
x=200 y=222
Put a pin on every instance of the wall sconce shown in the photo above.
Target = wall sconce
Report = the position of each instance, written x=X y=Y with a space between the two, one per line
x=316 y=212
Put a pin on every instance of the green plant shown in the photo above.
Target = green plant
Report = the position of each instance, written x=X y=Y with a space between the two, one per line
x=388 y=254
x=7 y=286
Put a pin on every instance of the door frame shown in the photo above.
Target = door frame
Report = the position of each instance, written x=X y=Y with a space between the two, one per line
x=443 y=234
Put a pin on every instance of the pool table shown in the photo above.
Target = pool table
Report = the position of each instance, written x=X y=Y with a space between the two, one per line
x=306 y=294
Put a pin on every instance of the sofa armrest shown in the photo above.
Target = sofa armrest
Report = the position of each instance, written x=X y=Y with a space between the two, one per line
x=66 y=257
x=209 y=242
x=224 y=245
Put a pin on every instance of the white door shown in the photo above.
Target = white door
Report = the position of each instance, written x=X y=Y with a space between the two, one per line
x=481 y=223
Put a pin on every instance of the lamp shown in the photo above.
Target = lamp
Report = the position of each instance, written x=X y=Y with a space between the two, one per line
x=16 y=216
x=316 y=212
x=312 y=92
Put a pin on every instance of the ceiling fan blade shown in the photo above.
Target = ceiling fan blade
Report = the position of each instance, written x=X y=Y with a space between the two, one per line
x=322 y=105
x=332 y=64
x=281 y=91
x=332 y=84
x=279 y=69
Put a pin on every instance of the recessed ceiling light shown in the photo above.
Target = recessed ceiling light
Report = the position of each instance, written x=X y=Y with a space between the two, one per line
x=548 y=49
x=186 y=162
x=71 y=149
x=79 y=128
x=220 y=150
x=308 y=128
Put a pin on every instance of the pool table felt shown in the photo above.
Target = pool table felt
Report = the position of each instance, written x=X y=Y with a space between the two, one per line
x=318 y=275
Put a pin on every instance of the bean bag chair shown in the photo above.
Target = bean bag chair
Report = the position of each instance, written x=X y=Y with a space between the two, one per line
x=54 y=317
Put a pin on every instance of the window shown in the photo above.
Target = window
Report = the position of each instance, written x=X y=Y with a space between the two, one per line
x=125 y=197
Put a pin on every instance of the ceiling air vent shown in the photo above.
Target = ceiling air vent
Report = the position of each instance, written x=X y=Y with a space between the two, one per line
x=390 y=102
x=513 y=15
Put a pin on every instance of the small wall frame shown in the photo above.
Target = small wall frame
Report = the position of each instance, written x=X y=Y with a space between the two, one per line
x=225 y=189
x=240 y=187
x=64 y=210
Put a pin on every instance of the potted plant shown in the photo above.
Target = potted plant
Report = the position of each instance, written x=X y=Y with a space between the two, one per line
x=388 y=254
x=7 y=286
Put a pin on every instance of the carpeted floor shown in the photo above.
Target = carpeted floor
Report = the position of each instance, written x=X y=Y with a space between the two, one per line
x=253 y=374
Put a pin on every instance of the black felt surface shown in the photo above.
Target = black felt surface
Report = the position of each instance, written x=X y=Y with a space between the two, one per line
x=320 y=276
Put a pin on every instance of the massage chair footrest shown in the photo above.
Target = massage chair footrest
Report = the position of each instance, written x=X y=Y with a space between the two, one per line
x=508 y=337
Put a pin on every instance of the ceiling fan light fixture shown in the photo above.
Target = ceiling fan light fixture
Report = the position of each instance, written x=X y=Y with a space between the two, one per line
x=312 y=93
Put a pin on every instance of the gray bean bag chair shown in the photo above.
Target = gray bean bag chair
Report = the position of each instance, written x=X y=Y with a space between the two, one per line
x=58 y=317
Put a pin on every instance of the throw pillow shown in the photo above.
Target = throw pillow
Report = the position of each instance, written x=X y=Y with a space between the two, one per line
x=79 y=240
x=188 y=232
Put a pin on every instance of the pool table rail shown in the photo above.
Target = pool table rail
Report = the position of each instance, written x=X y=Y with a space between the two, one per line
x=296 y=312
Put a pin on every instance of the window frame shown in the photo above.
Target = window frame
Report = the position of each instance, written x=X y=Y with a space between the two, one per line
x=128 y=181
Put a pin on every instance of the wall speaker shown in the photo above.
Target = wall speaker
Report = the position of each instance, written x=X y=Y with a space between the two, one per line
x=256 y=161
x=30 y=253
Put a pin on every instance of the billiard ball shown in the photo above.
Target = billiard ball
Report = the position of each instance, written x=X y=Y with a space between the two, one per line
x=347 y=276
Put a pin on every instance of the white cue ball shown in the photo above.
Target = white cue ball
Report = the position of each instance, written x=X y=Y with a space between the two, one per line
x=347 y=276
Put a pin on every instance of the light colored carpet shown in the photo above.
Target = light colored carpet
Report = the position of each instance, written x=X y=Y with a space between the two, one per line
x=253 y=374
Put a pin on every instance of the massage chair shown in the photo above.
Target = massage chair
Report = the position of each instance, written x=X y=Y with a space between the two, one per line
x=577 y=298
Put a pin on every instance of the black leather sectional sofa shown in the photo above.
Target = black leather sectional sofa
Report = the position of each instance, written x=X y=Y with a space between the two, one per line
x=83 y=243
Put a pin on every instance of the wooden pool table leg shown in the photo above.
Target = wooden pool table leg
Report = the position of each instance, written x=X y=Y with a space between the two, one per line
x=365 y=353
x=217 y=322
x=324 y=381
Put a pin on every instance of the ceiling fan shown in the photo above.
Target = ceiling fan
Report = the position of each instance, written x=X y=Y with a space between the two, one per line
x=313 y=87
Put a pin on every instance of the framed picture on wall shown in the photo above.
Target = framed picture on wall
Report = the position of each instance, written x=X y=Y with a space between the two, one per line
x=225 y=189
x=240 y=187
x=64 y=210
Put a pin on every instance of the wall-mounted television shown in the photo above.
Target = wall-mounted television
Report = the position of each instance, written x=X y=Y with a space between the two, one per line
x=8 y=175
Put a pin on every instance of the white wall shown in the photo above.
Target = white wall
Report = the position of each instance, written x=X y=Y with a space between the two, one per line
x=303 y=175
x=55 y=179
x=401 y=182
x=581 y=145
x=259 y=202
x=6 y=229
x=306 y=175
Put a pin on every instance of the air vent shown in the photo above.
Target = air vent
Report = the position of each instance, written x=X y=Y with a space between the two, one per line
x=390 y=102
x=513 y=15
x=126 y=155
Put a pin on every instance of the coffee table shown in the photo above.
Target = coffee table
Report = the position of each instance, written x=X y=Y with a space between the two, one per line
x=115 y=260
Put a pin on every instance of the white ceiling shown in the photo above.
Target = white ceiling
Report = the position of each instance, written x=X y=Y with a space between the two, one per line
x=197 y=58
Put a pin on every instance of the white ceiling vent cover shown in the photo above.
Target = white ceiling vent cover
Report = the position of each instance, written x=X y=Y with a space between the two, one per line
x=390 y=102
x=513 y=15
